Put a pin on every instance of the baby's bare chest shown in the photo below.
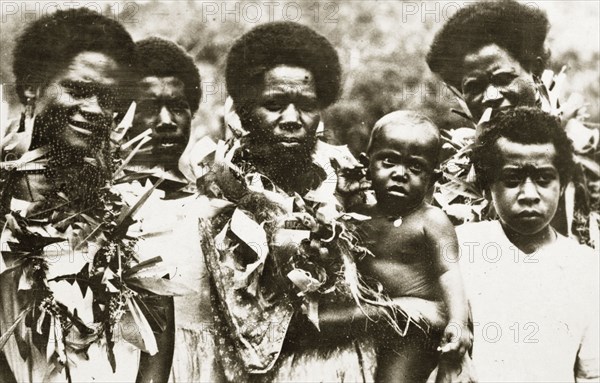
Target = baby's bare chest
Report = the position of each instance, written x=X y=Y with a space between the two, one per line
x=402 y=243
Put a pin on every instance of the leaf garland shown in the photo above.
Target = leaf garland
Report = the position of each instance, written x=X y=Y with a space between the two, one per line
x=94 y=230
x=275 y=249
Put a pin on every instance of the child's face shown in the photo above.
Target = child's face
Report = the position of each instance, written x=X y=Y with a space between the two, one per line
x=401 y=166
x=526 y=189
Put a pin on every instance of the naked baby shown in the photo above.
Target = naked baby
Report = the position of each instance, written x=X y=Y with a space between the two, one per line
x=415 y=247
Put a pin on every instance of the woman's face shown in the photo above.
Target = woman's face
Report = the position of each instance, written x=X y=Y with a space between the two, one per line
x=493 y=79
x=75 y=109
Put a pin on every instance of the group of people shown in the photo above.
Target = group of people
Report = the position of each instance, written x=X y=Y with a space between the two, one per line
x=272 y=255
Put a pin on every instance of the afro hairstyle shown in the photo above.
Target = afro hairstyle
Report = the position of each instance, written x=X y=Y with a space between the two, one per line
x=524 y=125
x=282 y=43
x=163 y=58
x=48 y=44
x=518 y=28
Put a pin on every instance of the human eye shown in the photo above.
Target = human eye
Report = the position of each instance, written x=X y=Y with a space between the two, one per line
x=273 y=105
x=148 y=107
x=510 y=179
x=179 y=106
x=545 y=178
x=308 y=106
x=416 y=167
x=388 y=162
x=76 y=90
x=473 y=86
x=504 y=78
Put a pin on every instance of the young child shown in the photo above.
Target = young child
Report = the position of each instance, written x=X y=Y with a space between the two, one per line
x=534 y=293
x=414 y=244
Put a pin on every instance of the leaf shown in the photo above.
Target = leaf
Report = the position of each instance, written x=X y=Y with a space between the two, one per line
x=461 y=102
x=154 y=311
x=304 y=281
x=139 y=331
x=589 y=164
x=82 y=278
x=86 y=234
x=570 y=205
x=110 y=344
x=141 y=266
x=131 y=155
x=128 y=213
x=9 y=332
x=160 y=286
x=121 y=130
x=26 y=158
x=250 y=232
x=137 y=138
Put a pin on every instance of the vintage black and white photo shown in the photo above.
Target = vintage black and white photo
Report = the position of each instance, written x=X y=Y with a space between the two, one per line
x=299 y=191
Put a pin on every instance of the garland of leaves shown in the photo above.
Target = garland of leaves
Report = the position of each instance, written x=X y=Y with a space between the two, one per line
x=284 y=249
x=94 y=222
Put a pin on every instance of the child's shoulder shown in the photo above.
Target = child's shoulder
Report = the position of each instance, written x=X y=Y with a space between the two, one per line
x=432 y=215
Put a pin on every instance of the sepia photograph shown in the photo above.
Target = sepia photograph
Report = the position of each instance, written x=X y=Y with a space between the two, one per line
x=323 y=191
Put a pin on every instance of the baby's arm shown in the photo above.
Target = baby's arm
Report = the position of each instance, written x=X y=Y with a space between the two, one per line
x=443 y=243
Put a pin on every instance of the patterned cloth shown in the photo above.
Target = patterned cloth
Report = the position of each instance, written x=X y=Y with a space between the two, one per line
x=252 y=335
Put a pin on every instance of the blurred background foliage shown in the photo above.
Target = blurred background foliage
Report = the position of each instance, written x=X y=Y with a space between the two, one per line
x=382 y=47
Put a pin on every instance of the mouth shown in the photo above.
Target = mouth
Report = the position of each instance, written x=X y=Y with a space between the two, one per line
x=82 y=127
x=529 y=214
x=288 y=142
x=397 y=191
x=168 y=144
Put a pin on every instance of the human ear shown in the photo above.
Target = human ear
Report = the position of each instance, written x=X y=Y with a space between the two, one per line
x=538 y=67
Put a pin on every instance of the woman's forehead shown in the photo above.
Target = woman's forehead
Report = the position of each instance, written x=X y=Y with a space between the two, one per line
x=488 y=58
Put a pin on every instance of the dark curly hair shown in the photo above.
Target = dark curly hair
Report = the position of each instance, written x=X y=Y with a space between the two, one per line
x=518 y=28
x=524 y=125
x=163 y=58
x=277 y=43
x=48 y=44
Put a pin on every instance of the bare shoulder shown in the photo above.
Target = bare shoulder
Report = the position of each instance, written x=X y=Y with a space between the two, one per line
x=435 y=217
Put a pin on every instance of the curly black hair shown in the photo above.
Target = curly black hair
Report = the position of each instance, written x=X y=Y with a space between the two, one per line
x=163 y=58
x=48 y=44
x=520 y=29
x=282 y=43
x=524 y=125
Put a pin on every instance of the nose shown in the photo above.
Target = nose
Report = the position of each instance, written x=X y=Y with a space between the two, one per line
x=528 y=194
x=91 y=105
x=165 y=121
x=164 y=116
x=492 y=96
x=290 y=114
x=399 y=173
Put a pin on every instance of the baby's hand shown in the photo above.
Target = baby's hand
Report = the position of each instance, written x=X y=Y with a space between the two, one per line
x=457 y=339
x=453 y=371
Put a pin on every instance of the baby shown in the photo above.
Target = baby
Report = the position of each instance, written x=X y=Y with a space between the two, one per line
x=414 y=244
